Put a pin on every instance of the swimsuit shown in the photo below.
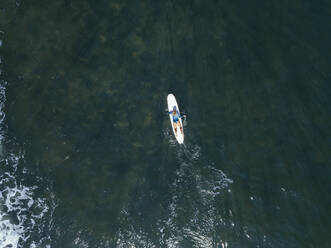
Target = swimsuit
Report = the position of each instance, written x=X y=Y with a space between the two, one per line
x=175 y=117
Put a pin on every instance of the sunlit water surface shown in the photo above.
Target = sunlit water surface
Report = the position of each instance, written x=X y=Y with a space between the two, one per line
x=87 y=156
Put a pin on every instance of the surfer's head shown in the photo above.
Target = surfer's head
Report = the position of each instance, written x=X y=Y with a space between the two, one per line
x=174 y=109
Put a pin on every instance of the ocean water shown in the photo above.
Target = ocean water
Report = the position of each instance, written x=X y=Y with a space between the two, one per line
x=87 y=154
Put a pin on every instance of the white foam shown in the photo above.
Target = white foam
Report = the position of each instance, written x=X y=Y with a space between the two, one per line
x=132 y=238
x=198 y=238
x=10 y=233
x=80 y=242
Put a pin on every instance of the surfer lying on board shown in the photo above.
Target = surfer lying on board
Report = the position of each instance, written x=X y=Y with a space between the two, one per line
x=175 y=119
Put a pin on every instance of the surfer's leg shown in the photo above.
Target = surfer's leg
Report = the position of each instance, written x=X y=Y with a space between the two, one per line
x=175 y=127
x=181 y=128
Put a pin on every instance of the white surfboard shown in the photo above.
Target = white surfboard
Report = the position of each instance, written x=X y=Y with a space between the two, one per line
x=171 y=103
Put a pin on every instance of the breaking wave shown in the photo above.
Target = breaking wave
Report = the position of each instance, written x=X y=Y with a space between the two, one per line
x=22 y=214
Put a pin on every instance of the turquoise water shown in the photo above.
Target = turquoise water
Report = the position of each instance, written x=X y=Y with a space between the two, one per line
x=88 y=158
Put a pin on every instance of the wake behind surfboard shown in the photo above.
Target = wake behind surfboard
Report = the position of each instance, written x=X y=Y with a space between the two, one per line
x=171 y=104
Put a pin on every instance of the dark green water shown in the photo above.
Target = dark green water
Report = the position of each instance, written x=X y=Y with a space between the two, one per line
x=87 y=154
